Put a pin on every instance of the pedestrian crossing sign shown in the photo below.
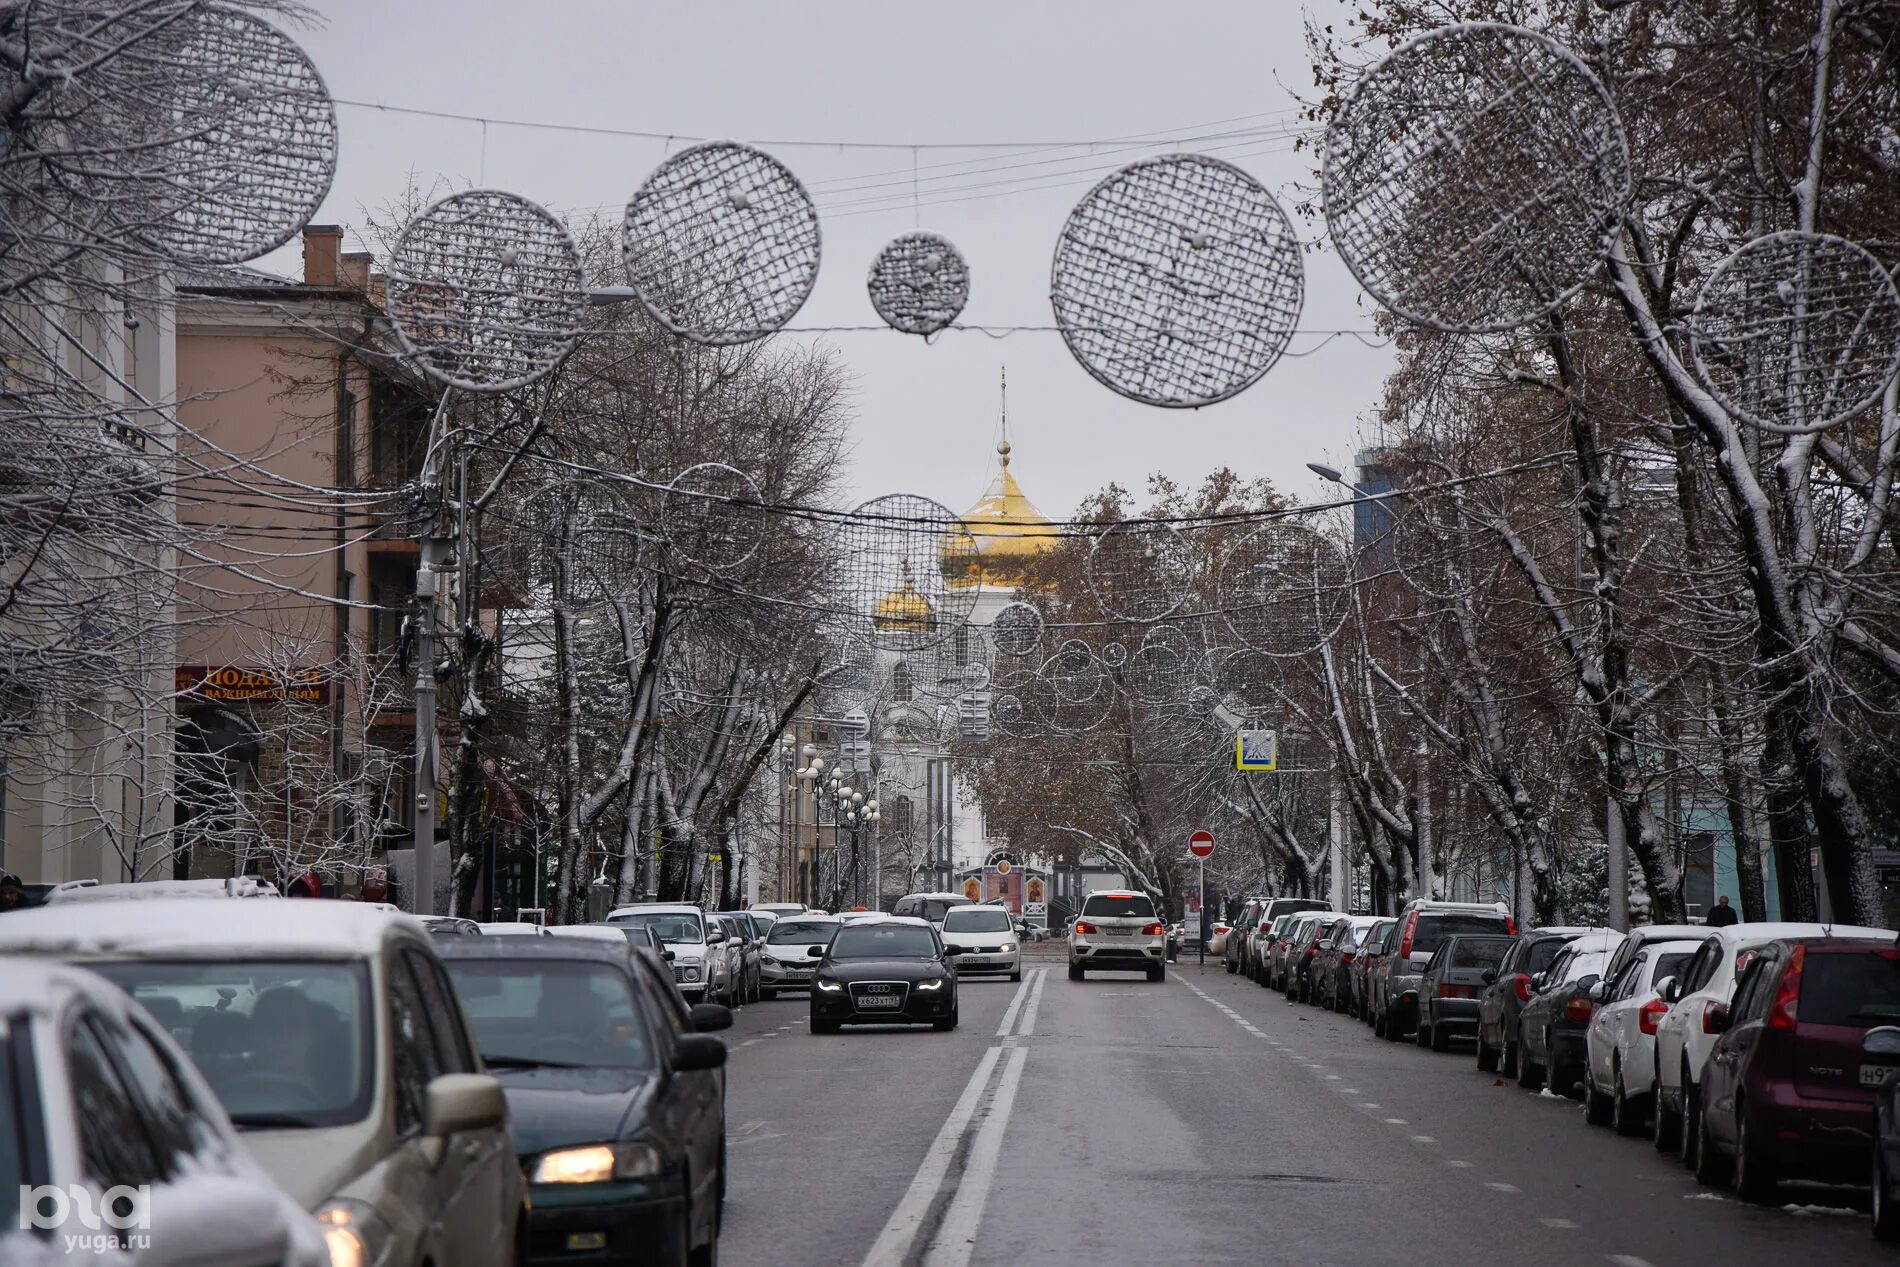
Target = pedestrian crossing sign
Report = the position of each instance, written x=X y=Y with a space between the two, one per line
x=1257 y=750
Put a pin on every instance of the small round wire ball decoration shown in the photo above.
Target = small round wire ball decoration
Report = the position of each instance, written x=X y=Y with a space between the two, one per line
x=1016 y=630
x=1141 y=572
x=486 y=291
x=919 y=283
x=1797 y=332
x=1177 y=281
x=1476 y=177
x=893 y=553
x=711 y=515
x=721 y=243
x=225 y=129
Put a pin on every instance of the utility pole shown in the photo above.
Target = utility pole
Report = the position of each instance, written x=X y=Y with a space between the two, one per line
x=423 y=902
x=1619 y=865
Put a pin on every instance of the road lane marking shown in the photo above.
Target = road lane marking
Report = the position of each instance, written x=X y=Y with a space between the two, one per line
x=1395 y=1121
x=955 y=1237
x=907 y=1218
x=1559 y=1224
x=1459 y=1165
x=1424 y=1139
x=1016 y=1003
x=1503 y=1187
x=1627 y=1260
x=1028 y=1017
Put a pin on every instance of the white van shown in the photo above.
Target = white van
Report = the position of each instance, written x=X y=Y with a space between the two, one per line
x=930 y=906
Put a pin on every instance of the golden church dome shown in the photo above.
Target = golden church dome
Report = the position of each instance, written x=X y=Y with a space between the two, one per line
x=904 y=607
x=1007 y=531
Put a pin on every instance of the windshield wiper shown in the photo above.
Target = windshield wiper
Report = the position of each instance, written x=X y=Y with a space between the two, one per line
x=528 y=1062
x=266 y=1120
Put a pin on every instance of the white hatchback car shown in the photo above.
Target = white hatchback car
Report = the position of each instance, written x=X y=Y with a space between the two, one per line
x=1685 y=1036
x=1118 y=931
x=1619 y=1073
x=991 y=944
x=112 y=1103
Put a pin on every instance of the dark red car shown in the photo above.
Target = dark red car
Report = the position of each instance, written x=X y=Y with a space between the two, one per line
x=1788 y=1091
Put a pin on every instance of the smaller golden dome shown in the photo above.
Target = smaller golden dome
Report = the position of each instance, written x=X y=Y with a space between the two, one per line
x=904 y=607
x=1007 y=532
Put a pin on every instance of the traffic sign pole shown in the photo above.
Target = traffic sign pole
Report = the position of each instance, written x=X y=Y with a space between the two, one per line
x=1201 y=845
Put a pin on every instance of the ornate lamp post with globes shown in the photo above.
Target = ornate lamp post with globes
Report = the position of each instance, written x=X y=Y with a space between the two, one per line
x=852 y=813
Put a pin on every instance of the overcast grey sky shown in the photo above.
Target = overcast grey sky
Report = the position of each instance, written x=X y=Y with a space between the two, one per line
x=831 y=70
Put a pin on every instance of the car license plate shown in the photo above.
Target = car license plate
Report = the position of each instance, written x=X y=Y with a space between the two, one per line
x=1874 y=1075
x=872 y=1002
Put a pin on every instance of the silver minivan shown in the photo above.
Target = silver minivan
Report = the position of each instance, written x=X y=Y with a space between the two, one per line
x=329 y=1032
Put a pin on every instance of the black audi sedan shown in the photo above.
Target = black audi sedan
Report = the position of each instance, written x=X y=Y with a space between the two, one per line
x=891 y=971
x=615 y=1097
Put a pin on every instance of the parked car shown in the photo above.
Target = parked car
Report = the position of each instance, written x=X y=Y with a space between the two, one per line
x=449 y=926
x=781 y=909
x=1337 y=954
x=1235 y=951
x=108 y=1099
x=243 y=886
x=1788 y=1090
x=512 y=928
x=1268 y=916
x=1688 y=1030
x=1378 y=941
x=1303 y=952
x=787 y=963
x=893 y=971
x=1118 y=931
x=1217 y=939
x=1268 y=948
x=1278 y=974
x=330 y=1034
x=615 y=1094
x=1619 y=1073
x=1422 y=926
x=1880 y=1048
x=1448 y=989
x=1551 y=1027
x=989 y=940
x=929 y=906
x=1505 y=995
x=687 y=934
x=749 y=941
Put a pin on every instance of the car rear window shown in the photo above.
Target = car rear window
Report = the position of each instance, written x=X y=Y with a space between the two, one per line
x=1544 y=953
x=1582 y=965
x=1471 y=952
x=1433 y=929
x=1671 y=964
x=1851 y=989
x=1126 y=906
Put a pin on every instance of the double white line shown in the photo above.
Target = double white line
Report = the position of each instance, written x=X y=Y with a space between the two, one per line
x=969 y=1144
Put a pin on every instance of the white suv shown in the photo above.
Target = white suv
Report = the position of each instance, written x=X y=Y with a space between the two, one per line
x=698 y=945
x=1121 y=932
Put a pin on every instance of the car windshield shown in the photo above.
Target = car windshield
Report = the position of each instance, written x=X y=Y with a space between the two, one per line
x=1432 y=930
x=795 y=933
x=671 y=926
x=283 y=1044
x=1479 y=952
x=1585 y=963
x=935 y=909
x=533 y=1012
x=977 y=919
x=1851 y=989
x=1119 y=906
x=883 y=941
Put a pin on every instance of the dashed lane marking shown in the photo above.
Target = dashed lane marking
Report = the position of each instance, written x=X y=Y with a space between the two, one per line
x=1503 y=1187
x=1627 y=1260
x=1424 y=1139
x=1562 y=1225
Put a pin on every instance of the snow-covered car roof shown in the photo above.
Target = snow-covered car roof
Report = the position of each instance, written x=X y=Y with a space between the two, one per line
x=188 y=928
x=148 y=890
x=35 y=985
x=591 y=932
x=657 y=908
x=1761 y=934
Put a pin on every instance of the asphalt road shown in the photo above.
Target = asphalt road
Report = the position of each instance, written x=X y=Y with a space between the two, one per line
x=1199 y=1120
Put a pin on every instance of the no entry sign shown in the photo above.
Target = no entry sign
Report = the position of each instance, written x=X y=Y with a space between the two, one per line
x=1201 y=844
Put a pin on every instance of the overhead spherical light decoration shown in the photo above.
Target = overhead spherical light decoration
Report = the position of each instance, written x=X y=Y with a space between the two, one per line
x=596 y=541
x=1284 y=589
x=721 y=243
x=1248 y=681
x=919 y=283
x=712 y=515
x=1114 y=655
x=220 y=134
x=895 y=552
x=486 y=291
x=1071 y=692
x=1797 y=331
x=1177 y=281
x=844 y=671
x=1016 y=630
x=1141 y=572
x=1476 y=177
x=1164 y=668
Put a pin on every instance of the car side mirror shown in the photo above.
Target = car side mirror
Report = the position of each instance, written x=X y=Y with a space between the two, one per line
x=1489 y=976
x=814 y=952
x=1666 y=990
x=1600 y=991
x=1716 y=1018
x=950 y=951
x=714 y=937
x=459 y=1102
x=1537 y=981
x=668 y=955
x=695 y=1052
x=707 y=1017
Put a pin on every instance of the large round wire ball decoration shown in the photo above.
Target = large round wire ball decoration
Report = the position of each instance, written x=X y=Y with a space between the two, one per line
x=1248 y=681
x=1016 y=630
x=598 y=542
x=1162 y=670
x=1141 y=572
x=1071 y=693
x=893 y=554
x=1476 y=177
x=1284 y=589
x=1008 y=717
x=1177 y=281
x=712 y=515
x=721 y=243
x=1797 y=331
x=486 y=291
x=844 y=664
x=919 y=283
x=223 y=129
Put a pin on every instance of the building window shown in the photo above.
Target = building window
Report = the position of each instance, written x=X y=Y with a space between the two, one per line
x=900 y=682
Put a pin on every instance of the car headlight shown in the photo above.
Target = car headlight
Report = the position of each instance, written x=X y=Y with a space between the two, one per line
x=925 y=987
x=1006 y=947
x=689 y=972
x=829 y=987
x=354 y=1233
x=597 y=1163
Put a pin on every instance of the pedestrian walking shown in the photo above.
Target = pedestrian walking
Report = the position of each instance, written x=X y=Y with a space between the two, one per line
x=12 y=892
x=1723 y=914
